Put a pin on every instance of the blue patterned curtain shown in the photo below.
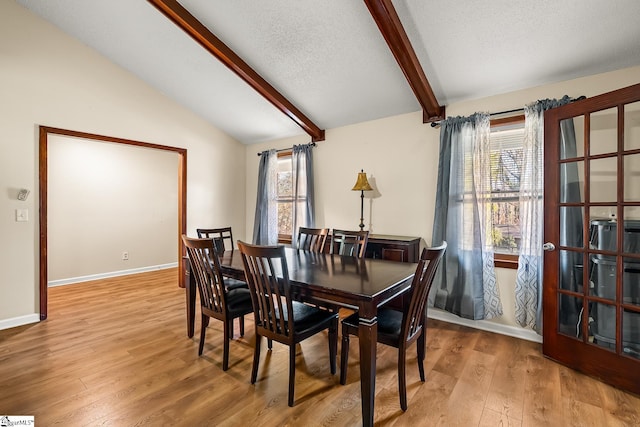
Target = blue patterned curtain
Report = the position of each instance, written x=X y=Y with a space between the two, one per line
x=528 y=291
x=466 y=283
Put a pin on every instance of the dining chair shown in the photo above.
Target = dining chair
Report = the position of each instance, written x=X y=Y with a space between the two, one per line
x=216 y=300
x=312 y=239
x=222 y=237
x=351 y=243
x=400 y=329
x=277 y=316
x=223 y=241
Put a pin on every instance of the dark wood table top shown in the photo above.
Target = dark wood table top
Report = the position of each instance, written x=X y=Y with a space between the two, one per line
x=342 y=279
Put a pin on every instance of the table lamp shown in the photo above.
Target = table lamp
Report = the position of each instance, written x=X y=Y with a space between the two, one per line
x=362 y=185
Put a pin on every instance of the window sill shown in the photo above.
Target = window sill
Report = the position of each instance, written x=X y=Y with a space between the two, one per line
x=505 y=261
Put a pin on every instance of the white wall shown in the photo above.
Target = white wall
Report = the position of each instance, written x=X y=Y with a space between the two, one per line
x=106 y=199
x=48 y=78
x=401 y=154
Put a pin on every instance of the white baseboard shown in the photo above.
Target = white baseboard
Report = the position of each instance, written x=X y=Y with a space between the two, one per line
x=19 y=321
x=71 y=280
x=485 y=325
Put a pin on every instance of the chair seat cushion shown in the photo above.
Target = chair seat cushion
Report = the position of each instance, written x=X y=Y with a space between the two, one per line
x=389 y=321
x=239 y=301
x=230 y=283
x=306 y=316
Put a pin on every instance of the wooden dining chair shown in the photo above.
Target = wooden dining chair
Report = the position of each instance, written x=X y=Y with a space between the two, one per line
x=312 y=239
x=400 y=329
x=350 y=243
x=223 y=241
x=277 y=316
x=216 y=300
x=222 y=237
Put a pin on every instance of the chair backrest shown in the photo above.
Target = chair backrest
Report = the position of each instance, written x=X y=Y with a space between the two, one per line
x=222 y=237
x=312 y=239
x=425 y=272
x=350 y=243
x=206 y=270
x=265 y=268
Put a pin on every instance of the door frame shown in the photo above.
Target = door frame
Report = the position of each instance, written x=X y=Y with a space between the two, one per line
x=44 y=132
x=608 y=366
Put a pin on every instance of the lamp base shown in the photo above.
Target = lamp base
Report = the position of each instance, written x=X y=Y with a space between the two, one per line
x=361 y=211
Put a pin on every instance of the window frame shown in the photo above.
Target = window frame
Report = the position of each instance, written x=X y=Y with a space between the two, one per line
x=285 y=238
x=506 y=260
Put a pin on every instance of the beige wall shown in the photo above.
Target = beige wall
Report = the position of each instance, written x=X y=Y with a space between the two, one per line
x=105 y=199
x=48 y=78
x=401 y=154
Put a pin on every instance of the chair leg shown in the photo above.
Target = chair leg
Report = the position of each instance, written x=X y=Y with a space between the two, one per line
x=241 y=321
x=402 y=378
x=333 y=345
x=228 y=326
x=203 y=331
x=269 y=343
x=292 y=372
x=256 y=359
x=344 y=356
x=421 y=353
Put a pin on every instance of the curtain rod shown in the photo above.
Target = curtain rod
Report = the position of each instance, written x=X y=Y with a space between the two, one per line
x=311 y=144
x=434 y=124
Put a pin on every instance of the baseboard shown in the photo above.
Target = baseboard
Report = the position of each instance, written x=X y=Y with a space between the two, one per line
x=88 y=278
x=19 y=321
x=485 y=325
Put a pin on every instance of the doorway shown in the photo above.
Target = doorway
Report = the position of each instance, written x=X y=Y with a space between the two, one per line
x=591 y=294
x=45 y=133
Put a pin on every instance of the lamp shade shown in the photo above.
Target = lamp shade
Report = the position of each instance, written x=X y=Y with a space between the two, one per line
x=362 y=184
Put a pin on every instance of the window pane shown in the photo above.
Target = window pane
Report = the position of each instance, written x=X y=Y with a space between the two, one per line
x=604 y=183
x=604 y=134
x=506 y=168
x=604 y=325
x=284 y=218
x=285 y=184
x=578 y=126
x=571 y=182
x=631 y=333
x=631 y=178
x=632 y=126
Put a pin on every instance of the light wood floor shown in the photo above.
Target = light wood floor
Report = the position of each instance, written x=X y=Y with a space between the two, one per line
x=114 y=352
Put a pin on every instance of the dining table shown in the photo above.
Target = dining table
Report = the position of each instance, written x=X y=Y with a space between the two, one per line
x=361 y=284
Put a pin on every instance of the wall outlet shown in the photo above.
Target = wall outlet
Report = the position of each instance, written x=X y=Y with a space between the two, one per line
x=125 y=255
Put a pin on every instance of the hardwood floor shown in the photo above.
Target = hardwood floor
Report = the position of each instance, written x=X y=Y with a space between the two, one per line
x=114 y=352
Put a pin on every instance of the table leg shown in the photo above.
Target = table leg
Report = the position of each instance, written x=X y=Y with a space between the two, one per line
x=190 y=294
x=368 y=337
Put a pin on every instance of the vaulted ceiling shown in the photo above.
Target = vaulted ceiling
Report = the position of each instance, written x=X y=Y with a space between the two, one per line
x=338 y=62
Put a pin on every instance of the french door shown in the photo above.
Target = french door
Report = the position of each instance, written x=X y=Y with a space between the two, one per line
x=591 y=296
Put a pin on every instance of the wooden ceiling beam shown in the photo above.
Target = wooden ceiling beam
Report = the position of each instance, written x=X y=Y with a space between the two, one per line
x=393 y=32
x=187 y=22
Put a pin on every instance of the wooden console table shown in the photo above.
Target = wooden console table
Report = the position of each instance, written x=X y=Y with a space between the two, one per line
x=394 y=248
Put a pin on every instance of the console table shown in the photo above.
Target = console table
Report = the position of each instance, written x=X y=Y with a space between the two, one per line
x=394 y=248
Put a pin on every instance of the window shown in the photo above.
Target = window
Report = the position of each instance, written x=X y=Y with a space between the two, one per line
x=284 y=195
x=506 y=164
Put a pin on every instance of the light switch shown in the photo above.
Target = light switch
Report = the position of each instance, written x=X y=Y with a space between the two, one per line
x=22 y=215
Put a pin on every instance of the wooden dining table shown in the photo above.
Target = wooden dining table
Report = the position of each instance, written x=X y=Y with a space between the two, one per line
x=362 y=284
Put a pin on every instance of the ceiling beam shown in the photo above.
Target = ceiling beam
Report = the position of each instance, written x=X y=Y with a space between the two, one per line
x=393 y=32
x=185 y=20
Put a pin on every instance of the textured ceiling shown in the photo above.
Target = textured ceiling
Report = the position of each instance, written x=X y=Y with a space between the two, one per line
x=329 y=59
